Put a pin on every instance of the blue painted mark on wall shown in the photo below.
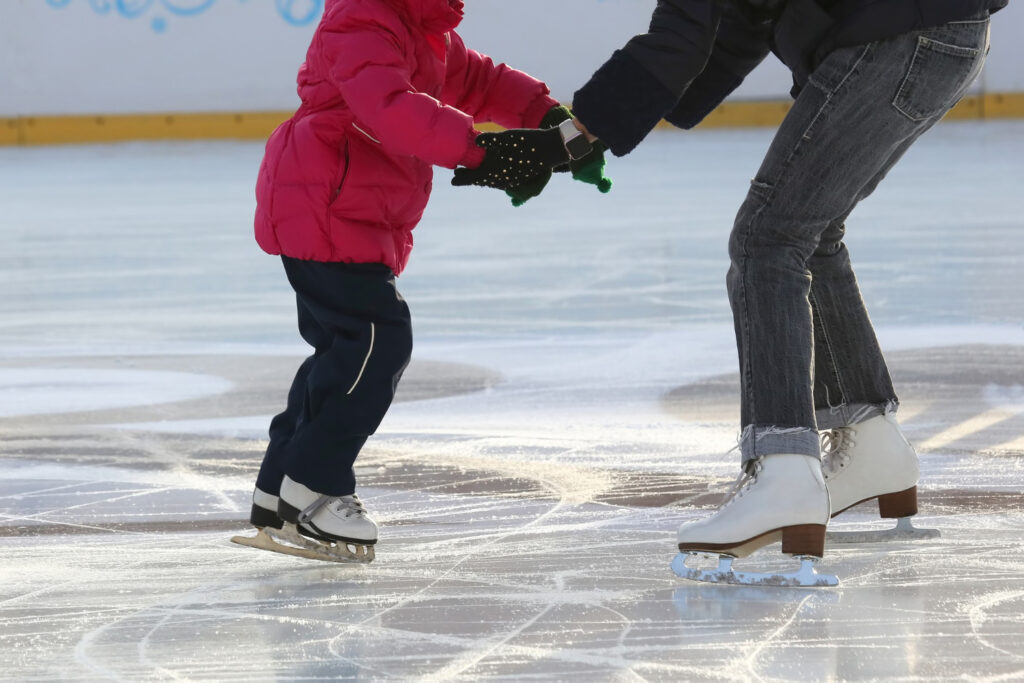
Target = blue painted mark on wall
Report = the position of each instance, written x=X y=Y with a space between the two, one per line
x=294 y=12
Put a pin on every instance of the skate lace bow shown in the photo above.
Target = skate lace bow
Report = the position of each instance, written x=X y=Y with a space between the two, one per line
x=835 y=445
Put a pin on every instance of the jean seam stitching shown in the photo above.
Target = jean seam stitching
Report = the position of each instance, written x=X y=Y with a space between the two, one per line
x=827 y=343
x=805 y=135
x=744 y=328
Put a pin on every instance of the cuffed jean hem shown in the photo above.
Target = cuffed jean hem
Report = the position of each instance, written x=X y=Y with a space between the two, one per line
x=757 y=442
x=852 y=413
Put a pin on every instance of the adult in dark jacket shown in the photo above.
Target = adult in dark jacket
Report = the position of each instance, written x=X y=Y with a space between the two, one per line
x=870 y=76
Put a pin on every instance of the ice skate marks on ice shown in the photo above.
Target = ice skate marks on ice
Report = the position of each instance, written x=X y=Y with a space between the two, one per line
x=288 y=541
x=903 y=531
x=805 y=576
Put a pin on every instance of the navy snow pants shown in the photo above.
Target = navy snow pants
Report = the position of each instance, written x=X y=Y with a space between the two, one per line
x=359 y=327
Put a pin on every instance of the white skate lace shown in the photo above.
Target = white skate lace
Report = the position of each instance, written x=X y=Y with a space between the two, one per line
x=743 y=484
x=345 y=506
x=835 y=449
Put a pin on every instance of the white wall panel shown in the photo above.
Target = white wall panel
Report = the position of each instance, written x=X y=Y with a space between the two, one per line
x=140 y=56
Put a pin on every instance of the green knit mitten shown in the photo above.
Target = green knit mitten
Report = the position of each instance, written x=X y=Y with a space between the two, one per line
x=590 y=169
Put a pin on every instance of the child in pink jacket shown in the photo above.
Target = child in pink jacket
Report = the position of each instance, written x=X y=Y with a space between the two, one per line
x=388 y=91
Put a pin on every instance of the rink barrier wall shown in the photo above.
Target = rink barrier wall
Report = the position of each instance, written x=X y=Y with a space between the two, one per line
x=84 y=129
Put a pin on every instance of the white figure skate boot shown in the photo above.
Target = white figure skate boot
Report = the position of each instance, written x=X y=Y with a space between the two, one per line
x=315 y=526
x=872 y=460
x=784 y=499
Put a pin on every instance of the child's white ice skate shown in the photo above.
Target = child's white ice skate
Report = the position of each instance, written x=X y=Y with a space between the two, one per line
x=872 y=460
x=264 y=510
x=784 y=499
x=317 y=527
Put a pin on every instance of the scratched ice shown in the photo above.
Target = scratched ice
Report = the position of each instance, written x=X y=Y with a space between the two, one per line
x=572 y=399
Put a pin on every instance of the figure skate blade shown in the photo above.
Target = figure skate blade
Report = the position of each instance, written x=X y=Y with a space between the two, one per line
x=805 y=576
x=903 y=531
x=288 y=542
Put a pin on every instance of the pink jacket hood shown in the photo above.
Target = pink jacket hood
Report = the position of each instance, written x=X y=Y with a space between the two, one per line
x=433 y=16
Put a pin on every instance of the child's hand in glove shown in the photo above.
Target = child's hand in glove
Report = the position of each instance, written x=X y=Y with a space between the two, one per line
x=527 y=191
x=587 y=169
x=514 y=158
x=524 y=168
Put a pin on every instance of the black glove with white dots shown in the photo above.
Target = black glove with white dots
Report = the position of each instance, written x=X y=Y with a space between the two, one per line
x=514 y=157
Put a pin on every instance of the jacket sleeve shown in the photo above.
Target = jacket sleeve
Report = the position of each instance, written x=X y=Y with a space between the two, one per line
x=366 y=63
x=489 y=92
x=641 y=83
x=740 y=45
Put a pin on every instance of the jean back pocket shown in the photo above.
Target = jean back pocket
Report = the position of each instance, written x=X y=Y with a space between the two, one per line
x=938 y=75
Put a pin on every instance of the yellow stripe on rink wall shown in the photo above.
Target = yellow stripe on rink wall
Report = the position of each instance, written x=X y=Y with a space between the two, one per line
x=52 y=130
x=1004 y=105
x=55 y=130
x=748 y=114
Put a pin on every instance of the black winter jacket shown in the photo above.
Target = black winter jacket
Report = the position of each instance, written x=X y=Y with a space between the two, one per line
x=696 y=52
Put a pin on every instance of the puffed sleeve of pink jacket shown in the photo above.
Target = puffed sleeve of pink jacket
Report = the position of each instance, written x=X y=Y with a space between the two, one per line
x=367 y=63
x=493 y=93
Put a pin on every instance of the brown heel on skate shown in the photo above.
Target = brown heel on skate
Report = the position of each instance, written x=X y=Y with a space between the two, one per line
x=804 y=539
x=896 y=505
x=900 y=506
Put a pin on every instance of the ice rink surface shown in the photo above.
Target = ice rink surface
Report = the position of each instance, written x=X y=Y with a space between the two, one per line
x=572 y=399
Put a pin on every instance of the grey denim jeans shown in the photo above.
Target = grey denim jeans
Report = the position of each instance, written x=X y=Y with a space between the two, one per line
x=808 y=354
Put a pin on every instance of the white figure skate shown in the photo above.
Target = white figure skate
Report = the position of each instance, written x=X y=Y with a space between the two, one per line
x=872 y=460
x=317 y=527
x=784 y=499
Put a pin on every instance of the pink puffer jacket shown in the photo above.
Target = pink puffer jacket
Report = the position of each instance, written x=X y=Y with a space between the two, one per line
x=388 y=90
